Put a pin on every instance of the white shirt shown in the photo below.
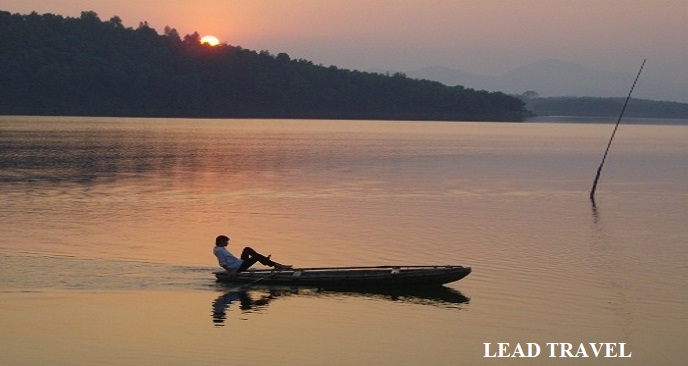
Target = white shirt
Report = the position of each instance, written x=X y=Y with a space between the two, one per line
x=226 y=259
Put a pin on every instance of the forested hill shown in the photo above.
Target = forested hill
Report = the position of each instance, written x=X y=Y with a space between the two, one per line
x=54 y=65
x=604 y=107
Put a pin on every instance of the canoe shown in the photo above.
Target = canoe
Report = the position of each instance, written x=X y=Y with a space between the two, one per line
x=349 y=276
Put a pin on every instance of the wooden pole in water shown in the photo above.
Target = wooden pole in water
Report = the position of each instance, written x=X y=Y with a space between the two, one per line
x=599 y=170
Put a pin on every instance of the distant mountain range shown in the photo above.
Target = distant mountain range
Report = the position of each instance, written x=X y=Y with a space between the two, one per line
x=552 y=78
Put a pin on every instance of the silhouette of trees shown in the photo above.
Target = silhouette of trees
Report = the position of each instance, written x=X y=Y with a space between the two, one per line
x=54 y=65
x=603 y=107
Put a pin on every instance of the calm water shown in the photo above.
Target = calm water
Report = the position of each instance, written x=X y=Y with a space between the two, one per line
x=108 y=227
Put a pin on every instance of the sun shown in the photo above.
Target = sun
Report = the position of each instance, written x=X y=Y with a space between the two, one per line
x=210 y=40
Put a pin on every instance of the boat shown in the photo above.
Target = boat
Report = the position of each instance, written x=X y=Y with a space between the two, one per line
x=331 y=277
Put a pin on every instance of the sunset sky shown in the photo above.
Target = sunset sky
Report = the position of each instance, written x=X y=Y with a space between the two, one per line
x=479 y=36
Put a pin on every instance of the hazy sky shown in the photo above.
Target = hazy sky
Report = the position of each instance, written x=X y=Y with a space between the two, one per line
x=480 y=36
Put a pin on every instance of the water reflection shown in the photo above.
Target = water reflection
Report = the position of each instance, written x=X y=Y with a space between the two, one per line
x=248 y=302
x=607 y=260
x=88 y=151
x=257 y=299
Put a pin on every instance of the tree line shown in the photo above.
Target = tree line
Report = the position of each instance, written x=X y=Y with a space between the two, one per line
x=54 y=65
x=603 y=107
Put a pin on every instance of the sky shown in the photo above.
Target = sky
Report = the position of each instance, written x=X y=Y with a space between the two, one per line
x=480 y=36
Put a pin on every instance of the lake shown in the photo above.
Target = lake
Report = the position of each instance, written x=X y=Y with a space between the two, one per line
x=108 y=226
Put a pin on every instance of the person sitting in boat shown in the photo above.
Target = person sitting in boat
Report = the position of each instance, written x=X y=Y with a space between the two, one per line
x=249 y=257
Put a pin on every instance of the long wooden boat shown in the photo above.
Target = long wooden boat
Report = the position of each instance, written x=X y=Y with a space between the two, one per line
x=349 y=276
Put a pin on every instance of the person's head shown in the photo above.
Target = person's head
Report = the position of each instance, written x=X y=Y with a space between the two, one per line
x=222 y=241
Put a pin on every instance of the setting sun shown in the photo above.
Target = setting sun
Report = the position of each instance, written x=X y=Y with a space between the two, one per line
x=210 y=40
